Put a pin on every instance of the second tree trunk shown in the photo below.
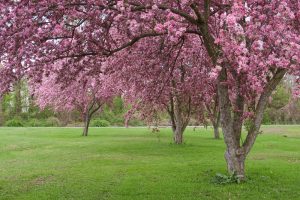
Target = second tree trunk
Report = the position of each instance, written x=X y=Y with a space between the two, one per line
x=216 y=131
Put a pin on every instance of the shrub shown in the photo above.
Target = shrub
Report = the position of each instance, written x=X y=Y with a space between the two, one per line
x=267 y=118
x=52 y=121
x=36 y=123
x=100 y=123
x=226 y=179
x=75 y=124
x=14 y=123
x=136 y=122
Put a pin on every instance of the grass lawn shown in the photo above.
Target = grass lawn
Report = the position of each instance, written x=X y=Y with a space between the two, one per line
x=119 y=163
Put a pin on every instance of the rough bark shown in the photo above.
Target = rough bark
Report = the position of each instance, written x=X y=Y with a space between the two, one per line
x=178 y=136
x=178 y=129
x=235 y=163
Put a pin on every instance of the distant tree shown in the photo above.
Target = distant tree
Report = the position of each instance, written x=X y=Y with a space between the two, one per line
x=85 y=94
x=172 y=82
x=18 y=98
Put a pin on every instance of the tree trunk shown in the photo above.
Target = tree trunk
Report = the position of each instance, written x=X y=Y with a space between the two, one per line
x=177 y=130
x=18 y=98
x=235 y=163
x=216 y=131
x=178 y=135
x=234 y=154
x=231 y=122
x=180 y=119
x=87 y=115
x=86 y=125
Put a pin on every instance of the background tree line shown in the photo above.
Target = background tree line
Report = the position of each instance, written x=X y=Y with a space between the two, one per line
x=19 y=109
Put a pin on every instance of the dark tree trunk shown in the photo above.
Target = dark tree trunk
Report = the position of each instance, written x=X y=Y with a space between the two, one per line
x=87 y=115
x=18 y=98
x=216 y=131
x=214 y=115
x=180 y=118
x=86 y=125
x=178 y=134
x=178 y=130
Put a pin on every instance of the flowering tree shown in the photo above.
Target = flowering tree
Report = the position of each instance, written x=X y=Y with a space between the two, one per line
x=164 y=79
x=250 y=46
x=85 y=94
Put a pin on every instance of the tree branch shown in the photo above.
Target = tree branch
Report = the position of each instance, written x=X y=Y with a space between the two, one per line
x=140 y=7
x=255 y=126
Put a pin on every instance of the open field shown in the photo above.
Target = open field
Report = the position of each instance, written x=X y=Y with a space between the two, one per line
x=119 y=163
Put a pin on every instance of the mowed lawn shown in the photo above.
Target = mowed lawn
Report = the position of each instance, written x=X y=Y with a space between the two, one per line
x=119 y=163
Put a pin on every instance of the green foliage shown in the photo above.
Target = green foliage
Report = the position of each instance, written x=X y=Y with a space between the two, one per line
x=267 y=118
x=280 y=98
x=247 y=124
x=100 y=123
x=52 y=122
x=282 y=109
x=16 y=122
x=223 y=179
x=118 y=106
x=35 y=123
x=135 y=122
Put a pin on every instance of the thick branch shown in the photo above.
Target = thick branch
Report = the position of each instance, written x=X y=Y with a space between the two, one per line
x=255 y=126
x=225 y=108
x=239 y=109
x=133 y=41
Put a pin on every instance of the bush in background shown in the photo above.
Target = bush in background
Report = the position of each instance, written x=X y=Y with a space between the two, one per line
x=34 y=123
x=14 y=123
x=100 y=123
x=52 y=122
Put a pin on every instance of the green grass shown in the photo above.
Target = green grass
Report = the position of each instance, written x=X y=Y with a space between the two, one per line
x=118 y=163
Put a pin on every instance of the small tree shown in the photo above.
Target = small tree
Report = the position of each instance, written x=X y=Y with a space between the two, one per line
x=85 y=94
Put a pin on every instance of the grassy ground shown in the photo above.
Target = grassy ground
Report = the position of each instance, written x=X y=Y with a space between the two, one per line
x=118 y=163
